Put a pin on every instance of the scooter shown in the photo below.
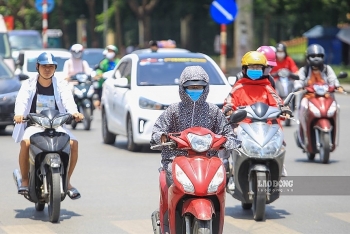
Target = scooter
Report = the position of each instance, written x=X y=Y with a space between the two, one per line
x=285 y=85
x=195 y=201
x=257 y=165
x=49 y=159
x=318 y=130
x=83 y=93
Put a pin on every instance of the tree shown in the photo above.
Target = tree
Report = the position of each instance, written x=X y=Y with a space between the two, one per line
x=92 y=20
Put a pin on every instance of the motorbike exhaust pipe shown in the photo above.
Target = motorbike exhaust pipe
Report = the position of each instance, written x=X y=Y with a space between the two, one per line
x=17 y=177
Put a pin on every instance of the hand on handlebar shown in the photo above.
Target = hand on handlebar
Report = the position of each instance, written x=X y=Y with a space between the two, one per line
x=18 y=119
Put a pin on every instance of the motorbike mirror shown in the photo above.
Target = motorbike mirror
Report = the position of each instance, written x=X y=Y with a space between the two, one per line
x=342 y=75
x=232 y=80
x=288 y=99
x=237 y=116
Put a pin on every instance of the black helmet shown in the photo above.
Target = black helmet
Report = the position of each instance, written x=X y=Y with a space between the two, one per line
x=281 y=47
x=315 y=56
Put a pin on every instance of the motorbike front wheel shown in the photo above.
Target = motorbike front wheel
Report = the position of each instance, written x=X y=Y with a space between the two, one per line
x=54 y=204
x=87 y=118
x=325 y=147
x=259 y=200
x=202 y=226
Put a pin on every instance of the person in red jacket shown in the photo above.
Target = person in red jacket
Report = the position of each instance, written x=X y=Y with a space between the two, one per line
x=284 y=61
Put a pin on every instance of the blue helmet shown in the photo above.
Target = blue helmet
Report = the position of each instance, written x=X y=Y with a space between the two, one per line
x=46 y=58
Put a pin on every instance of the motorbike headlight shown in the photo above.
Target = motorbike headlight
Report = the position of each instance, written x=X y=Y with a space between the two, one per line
x=321 y=89
x=200 y=143
x=42 y=121
x=145 y=103
x=217 y=180
x=79 y=93
x=183 y=179
x=314 y=110
x=58 y=121
x=91 y=91
x=332 y=109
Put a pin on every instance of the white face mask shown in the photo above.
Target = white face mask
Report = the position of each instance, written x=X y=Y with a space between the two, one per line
x=280 y=55
x=110 y=55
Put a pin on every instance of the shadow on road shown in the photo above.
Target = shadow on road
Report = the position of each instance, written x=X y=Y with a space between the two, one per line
x=270 y=213
x=31 y=213
x=316 y=161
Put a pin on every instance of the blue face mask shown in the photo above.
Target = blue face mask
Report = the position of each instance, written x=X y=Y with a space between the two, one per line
x=254 y=74
x=194 y=93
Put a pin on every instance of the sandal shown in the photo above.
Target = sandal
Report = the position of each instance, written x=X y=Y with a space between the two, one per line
x=23 y=190
x=73 y=193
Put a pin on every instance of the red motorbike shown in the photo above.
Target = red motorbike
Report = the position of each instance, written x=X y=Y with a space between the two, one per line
x=195 y=201
x=318 y=121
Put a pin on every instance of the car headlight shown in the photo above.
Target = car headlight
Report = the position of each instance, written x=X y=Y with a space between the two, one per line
x=183 y=179
x=79 y=93
x=332 y=109
x=58 y=121
x=253 y=149
x=145 y=103
x=217 y=180
x=91 y=91
x=8 y=97
x=42 y=121
x=314 y=110
x=200 y=143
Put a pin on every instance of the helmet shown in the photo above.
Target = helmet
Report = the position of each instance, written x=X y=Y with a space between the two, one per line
x=112 y=47
x=77 y=50
x=315 y=56
x=253 y=57
x=153 y=43
x=281 y=47
x=46 y=58
x=269 y=54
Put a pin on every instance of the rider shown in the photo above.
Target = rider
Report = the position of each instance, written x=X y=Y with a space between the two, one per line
x=283 y=61
x=43 y=90
x=253 y=87
x=153 y=45
x=316 y=70
x=76 y=64
x=106 y=64
x=192 y=110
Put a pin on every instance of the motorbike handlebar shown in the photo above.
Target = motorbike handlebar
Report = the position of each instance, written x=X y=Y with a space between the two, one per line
x=161 y=146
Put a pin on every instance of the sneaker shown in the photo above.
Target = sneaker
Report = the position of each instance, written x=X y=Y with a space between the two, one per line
x=231 y=184
x=284 y=171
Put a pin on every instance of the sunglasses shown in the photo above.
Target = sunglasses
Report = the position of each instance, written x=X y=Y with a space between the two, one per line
x=316 y=56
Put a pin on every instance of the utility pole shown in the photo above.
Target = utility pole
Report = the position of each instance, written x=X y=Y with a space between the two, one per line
x=105 y=22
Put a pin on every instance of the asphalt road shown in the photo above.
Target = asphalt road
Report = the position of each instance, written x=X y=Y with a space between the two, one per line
x=120 y=191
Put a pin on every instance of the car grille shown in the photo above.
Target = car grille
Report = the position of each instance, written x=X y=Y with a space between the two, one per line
x=4 y=117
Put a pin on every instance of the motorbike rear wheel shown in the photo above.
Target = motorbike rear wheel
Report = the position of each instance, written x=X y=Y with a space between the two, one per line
x=87 y=118
x=54 y=204
x=310 y=156
x=39 y=206
x=202 y=226
x=325 y=147
x=259 y=200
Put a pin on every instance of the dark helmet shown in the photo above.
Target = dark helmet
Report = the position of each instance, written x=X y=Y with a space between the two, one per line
x=153 y=43
x=315 y=56
x=46 y=58
x=281 y=47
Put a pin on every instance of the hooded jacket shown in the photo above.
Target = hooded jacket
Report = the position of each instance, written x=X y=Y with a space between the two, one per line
x=187 y=113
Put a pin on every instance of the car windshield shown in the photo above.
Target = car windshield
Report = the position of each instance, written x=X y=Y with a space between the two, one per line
x=93 y=57
x=5 y=71
x=5 y=50
x=167 y=71
x=19 y=42
x=31 y=64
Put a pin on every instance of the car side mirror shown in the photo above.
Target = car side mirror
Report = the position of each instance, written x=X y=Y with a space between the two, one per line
x=22 y=77
x=20 y=60
x=232 y=80
x=342 y=75
x=121 y=83
x=237 y=116
x=108 y=74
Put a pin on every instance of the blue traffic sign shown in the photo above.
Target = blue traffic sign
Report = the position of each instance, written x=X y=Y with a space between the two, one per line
x=223 y=11
x=39 y=5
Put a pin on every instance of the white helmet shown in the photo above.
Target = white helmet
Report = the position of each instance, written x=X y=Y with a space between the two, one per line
x=77 y=51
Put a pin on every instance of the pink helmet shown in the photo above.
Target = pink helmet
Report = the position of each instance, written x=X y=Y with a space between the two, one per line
x=269 y=53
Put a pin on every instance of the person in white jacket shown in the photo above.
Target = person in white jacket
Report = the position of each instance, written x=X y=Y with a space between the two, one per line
x=42 y=92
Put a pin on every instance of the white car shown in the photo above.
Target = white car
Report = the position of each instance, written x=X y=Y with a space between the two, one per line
x=26 y=62
x=143 y=85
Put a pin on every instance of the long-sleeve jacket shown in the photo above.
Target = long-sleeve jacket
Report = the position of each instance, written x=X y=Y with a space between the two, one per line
x=187 y=113
x=63 y=97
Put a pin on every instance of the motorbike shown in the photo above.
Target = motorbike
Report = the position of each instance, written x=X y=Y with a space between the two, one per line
x=83 y=92
x=195 y=201
x=318 y=130
x=257 y=165
x=285 y=85
x=49 y=159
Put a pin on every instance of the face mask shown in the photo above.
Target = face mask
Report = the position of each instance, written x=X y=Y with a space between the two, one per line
x=280 y=55
x=110 y=55
x=194 y=93
x=254 y=74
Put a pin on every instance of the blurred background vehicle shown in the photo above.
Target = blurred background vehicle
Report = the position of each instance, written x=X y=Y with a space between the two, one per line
x=26 y=62
x=143 y=85
x=24 y=40
x=5 y=47
x=93 y=56
x=9 y=86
